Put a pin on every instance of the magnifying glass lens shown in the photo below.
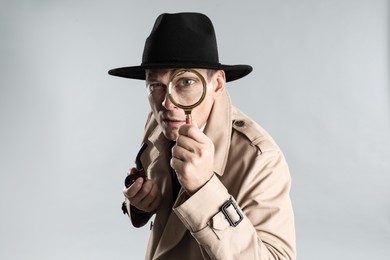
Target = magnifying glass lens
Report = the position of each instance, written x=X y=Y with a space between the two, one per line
x=187 y=88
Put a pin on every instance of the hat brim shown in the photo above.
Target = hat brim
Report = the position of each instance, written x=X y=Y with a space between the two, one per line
x=232 y=72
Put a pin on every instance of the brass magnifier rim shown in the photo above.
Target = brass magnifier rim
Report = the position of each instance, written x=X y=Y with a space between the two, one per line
x=187 y=109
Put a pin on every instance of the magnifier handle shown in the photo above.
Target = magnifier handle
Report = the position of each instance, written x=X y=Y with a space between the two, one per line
x=188 y=119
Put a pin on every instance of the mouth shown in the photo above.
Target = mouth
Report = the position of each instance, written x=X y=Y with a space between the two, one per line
x=173 y=122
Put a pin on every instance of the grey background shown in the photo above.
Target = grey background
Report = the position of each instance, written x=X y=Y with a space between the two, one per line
x=69 y=131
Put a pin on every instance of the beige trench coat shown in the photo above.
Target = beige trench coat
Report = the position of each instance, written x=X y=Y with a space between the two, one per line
x=250 y=172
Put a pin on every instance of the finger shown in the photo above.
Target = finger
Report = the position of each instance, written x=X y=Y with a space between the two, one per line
x=186 y=155
x=178 y=165
x=205 y=147
x=132 y=175
x=151 y=197
x=193 y=133
x=184 y=142
x=132 y=191
x=143 y=192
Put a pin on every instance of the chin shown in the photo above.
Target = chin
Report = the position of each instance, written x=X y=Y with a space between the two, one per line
x=171 y=135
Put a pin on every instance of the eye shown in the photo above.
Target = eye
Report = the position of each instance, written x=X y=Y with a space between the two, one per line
x=186 y=82
x=155 y=87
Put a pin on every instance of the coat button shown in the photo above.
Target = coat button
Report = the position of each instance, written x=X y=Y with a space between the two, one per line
x=239 y=123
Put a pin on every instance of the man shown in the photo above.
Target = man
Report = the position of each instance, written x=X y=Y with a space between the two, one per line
x=221 y=189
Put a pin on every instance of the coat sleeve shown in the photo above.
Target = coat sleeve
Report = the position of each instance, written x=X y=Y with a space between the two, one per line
x=267 y=227
x=138 y=217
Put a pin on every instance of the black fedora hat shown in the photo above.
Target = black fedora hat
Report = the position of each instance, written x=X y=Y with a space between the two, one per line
x=182 y=40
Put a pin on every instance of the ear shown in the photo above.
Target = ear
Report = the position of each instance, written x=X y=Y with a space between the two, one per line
x=219 y=83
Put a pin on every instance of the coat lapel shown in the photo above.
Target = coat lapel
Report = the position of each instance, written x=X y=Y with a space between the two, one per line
x=157 y=157
x=221 y=115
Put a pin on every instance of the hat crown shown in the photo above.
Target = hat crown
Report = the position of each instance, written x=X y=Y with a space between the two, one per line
x=182 y=37
x=181 y=40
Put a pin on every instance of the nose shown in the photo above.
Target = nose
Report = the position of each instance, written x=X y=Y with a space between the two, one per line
x=167 y=103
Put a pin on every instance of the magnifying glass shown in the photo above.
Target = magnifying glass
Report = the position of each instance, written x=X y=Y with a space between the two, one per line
x=186 y=90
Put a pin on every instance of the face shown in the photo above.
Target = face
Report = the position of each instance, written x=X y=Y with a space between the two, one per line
x=171 y=117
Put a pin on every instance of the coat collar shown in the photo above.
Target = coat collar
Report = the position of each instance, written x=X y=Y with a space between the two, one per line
x=219 y=130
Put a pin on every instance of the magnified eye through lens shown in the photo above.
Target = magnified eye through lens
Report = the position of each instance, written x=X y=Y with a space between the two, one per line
x=186 y=88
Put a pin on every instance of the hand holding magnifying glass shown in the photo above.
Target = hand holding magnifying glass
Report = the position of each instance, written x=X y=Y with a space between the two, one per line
x=186 y=90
